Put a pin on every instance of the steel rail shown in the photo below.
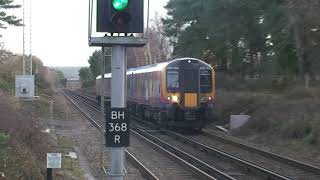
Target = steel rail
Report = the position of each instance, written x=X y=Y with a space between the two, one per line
x=201 y=174
x=180 y=161
x=274 y=156
x=144 y=171
x=247 y=164
x=289 y=161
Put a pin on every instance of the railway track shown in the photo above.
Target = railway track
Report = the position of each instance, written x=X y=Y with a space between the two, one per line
x=88 y=112
x=216 y=138
x=229 y=159
x=165 y=164
x=230 y=164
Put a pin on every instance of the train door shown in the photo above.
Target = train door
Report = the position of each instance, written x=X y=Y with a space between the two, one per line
x=190 y=86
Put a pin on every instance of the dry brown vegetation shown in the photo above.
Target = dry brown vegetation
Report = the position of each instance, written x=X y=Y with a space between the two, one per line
x=286 y=122
x=23 y=147
x=11 y=65
x=293 y=114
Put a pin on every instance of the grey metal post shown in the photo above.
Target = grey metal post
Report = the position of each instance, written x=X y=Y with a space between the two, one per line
x=102 y=92
x=23 y=42
x=118 y=84
x=51 y=109
x=30 y=40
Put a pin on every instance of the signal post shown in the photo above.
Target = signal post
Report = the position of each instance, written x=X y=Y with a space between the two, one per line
x=121 y=17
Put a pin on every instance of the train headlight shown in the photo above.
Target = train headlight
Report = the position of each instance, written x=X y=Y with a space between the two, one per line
x=210 y=98
x=203 y=99
x=175 y=98
x=169 y=98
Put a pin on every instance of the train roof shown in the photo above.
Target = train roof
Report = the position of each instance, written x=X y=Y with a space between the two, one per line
x=152 y=67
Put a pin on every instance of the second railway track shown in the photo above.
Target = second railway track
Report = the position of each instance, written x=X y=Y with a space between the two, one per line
x=154 y=161
x=244 y=162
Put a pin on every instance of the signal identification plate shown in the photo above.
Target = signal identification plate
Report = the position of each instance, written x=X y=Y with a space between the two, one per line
x=117 y=128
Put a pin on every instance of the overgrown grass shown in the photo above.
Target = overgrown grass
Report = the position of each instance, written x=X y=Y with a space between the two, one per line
x=5 y=85
x=268 y=83
x=291 y=116
x=295 y=129
x=70 y=167
x=38 y=107
x=4 y=138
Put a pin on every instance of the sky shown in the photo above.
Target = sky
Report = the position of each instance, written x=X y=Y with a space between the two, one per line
x=59 y=30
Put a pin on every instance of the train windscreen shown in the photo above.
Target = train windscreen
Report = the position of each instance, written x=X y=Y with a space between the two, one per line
x=173 y=79
x=205 y=80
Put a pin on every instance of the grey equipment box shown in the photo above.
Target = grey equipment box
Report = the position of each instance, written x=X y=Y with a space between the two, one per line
x=25 y=86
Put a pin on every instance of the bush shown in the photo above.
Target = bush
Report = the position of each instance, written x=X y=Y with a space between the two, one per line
x=259 y=84
x=263 y=83
x=299 y=93
x=282 y=83
x=314 y=136
x=296 y=129
x=4 y=138
x=224 y=81
x=271 y=83
x=4 y=85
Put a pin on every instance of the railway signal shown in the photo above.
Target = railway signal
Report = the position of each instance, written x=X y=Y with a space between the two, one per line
x=120 y=16
x=117 y=16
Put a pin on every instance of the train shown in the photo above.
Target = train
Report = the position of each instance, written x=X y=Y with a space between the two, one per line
x=179 y=93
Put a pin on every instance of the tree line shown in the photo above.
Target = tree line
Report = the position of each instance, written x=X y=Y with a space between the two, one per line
x=239 y=37
x=157 y=50
x=279 y=37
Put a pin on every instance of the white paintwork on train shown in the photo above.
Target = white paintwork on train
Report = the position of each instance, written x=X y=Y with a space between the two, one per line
x=152 y=67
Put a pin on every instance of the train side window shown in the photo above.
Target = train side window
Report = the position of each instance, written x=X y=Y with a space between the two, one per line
x=156 y=88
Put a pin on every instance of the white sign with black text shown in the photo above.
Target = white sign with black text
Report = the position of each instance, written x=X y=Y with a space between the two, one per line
x=117 y=128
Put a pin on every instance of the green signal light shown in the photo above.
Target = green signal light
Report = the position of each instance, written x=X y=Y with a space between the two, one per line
x=120 y=4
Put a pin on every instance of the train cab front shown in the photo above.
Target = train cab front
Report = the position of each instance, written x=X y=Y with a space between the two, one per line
x=190 y=89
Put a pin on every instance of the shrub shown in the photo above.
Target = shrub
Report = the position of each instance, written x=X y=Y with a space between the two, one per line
x=296 y=129
x=299 y=93
x=4 y=138
x=4 y=85
x=314 y=136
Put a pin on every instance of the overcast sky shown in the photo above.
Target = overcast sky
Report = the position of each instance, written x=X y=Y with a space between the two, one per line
x=59 y=31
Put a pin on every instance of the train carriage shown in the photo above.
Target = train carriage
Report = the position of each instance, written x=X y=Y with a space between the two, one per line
x=179 y=93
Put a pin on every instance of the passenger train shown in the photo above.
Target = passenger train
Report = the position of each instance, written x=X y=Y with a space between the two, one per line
x=179 y=93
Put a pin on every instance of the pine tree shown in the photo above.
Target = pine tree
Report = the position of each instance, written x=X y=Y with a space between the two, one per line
x=5 y=18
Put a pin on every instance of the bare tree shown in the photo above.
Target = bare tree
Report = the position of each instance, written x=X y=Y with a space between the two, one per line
x=157 y=50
